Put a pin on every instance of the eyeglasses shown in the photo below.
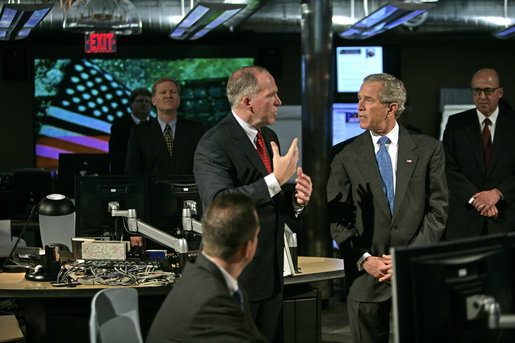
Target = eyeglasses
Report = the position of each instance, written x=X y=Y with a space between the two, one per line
x=487 y=91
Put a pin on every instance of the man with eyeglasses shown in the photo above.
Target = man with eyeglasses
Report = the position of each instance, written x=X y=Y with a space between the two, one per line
x=480 y=163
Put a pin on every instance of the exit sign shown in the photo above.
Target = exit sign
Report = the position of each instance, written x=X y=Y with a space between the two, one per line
x=97 y=43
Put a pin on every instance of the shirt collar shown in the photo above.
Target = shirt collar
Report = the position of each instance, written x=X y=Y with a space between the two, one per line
x=393 y=135
x=172 y=124
x=232 y=284
x=492 y=117
x=249 y=130
x=137 y=120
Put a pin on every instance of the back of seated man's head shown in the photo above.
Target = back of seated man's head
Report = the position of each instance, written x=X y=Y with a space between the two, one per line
x=229 y=222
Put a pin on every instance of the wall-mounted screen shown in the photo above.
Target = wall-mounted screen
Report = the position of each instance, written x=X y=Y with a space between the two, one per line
x=78 y=99
x=345 y=122
x=353 y=63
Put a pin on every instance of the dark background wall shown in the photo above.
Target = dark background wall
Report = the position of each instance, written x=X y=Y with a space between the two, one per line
x=425 y=65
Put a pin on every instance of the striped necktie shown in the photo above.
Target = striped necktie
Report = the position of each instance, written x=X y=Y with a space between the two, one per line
x=169 y=139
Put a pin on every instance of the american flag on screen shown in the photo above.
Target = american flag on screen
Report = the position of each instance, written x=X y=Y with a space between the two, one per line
x=79 y=117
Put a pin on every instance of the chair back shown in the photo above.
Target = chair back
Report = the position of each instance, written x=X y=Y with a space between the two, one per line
x=115 y=316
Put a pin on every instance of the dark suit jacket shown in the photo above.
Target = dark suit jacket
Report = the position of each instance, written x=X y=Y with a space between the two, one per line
x=200 y=309
x=226 y=162
x=147 y=153
x=120 y=132
x=466 y=173
x=359 y=215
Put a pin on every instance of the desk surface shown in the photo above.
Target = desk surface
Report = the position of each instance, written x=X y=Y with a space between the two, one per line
x=311 y=269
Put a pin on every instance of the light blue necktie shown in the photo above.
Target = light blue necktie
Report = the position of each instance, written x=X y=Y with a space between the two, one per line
x=385 y=168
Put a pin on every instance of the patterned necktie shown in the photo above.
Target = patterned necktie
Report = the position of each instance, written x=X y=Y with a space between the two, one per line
x=260 y=146
x=169 y=139
x=487 y=141
x=385 y=168
x=238 y=296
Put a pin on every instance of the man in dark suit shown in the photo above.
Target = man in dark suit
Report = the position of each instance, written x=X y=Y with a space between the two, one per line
x=164 y=145
x=241 y=155
x=480 y=163
x=206 y=304
x=386 y=189
x=139 y=102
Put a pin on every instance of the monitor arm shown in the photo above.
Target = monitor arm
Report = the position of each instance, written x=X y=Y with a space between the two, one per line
x=180 y=245
x=479 y=305
x=189 y=223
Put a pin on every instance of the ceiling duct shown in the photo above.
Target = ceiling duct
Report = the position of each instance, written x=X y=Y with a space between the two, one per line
x=283 y=16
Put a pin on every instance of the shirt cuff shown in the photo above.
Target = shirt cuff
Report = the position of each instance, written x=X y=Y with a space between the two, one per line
x=272 y=184
x=361 y=260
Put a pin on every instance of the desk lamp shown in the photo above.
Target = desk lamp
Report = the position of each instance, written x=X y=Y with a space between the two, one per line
x=56 y=220
x=51 y=205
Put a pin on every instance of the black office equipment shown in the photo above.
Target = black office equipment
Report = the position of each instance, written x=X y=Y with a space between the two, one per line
x=435 y=288
x=74 y=164
x=167 y=197
x=32 y=184
x=93 y=193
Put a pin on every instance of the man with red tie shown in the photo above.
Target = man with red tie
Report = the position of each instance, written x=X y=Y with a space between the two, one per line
x=241 y=155
x=480 y=163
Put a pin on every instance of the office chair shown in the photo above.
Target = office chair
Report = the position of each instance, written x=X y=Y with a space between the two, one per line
x=115 y=316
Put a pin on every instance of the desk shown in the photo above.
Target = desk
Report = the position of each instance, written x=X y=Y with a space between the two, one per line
x=313 y=269
x=62 y=314
x=302 y=305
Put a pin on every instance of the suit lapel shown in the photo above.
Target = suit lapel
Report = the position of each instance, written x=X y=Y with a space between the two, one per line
x=243 y=143
x=473 y=132
x=180 y=144
x=157 y=137
x=406 y=162
x=503 y=129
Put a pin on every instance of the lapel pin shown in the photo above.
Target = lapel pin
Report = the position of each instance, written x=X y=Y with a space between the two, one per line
x=409 y=161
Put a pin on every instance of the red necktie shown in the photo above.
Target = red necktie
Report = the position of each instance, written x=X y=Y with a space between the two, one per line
x=487 y=141
x=260 y=145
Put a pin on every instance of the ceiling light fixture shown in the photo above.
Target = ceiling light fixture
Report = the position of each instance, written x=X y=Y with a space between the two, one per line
x=114 y=16
x=203 y=18
x=505 y=33
x=18 y=20
x=385 y=18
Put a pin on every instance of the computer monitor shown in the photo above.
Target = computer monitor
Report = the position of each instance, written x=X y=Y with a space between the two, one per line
x=93 y=193
x=77 y=164
x=345 y=122
x=433 y=284
x=167 y=197
x=353 y=63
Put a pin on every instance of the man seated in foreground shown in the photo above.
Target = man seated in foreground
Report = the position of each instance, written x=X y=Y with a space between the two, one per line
x=206 y=303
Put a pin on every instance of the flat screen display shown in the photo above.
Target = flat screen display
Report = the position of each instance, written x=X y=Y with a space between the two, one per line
x=78 y=99
x=345 y=122
x=353 y=63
